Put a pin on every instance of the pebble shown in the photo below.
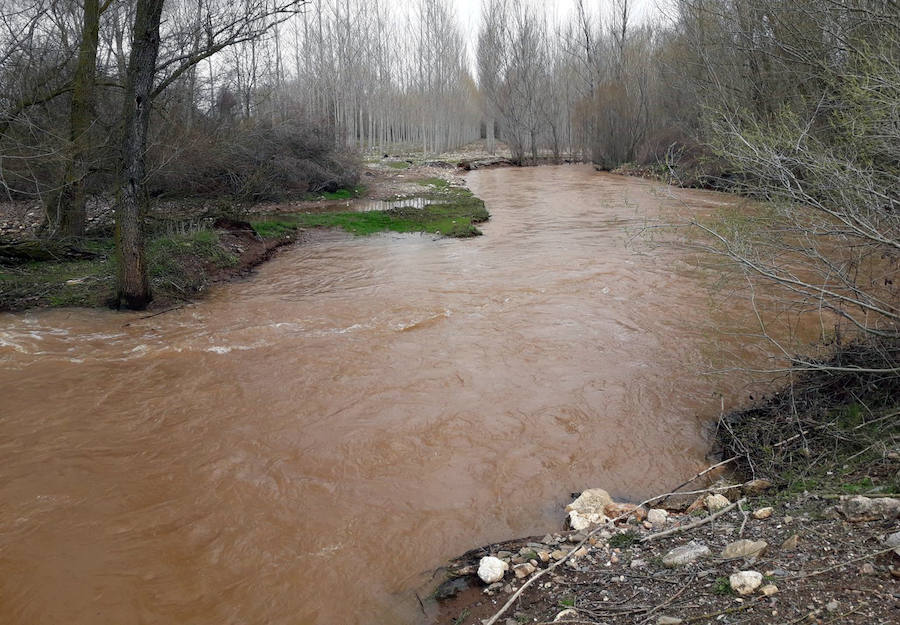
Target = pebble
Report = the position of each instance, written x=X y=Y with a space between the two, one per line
x=543 y=556
x=832 y=606
x=791 y=543
x=669 y=620
x=893 y=541
x=714 y=503
x=636 y=564
x=867 y=569
x=685 y=554
x=524 y=570
x=763 y=513
x=769 y=590
x=493 y=588
x=755 y=487
x=569 y=613
x=657 y=516
x=580 y=552
x=744 y=549
x=559 y=554
x=745 y=582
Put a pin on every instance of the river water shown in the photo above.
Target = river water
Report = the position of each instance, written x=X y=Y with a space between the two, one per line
x=302 y=446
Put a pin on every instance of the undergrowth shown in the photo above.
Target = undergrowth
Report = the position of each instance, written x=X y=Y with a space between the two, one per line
x=178 y=266
x=832 y=431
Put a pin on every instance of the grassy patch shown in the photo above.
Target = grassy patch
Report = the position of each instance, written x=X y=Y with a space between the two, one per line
x=398 y=164
x=722 y=587
x=275 y=229
x=58 y=284
x=567 y=602
x=179 y=265
x=623 y=540
x=438 y=183
x=453 y=215
x=344 y=194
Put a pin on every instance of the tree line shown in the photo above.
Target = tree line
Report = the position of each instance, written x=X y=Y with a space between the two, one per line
x=792 y=101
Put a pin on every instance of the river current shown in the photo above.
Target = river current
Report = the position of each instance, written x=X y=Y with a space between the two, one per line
x=303 y=446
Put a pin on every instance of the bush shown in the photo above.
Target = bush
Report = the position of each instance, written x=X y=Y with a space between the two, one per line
x=254 y=161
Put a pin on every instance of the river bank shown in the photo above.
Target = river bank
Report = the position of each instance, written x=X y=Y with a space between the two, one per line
x=194 y=244
x=812 y=536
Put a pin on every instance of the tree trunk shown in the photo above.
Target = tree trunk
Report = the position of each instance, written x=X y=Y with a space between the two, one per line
x=67 y=210
x=133 y=289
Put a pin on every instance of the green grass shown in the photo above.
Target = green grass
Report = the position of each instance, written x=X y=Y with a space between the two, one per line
x=58 y=284
x=343 y=194
x=275 y=229
x=180 y=265
x=623 y=539
x=722 y=587
x=398 y=164
x=439 y=183
x=454 y=214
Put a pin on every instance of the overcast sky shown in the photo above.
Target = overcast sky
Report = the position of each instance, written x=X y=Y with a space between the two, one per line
x=469 y=11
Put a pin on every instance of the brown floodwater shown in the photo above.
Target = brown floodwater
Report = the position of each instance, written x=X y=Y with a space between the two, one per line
x=301 y=447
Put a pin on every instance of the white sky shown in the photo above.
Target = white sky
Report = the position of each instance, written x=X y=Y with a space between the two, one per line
x=469 y=11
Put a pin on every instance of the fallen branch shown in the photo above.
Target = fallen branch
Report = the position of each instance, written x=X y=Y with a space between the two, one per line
x=690 y=526
x=701 y=474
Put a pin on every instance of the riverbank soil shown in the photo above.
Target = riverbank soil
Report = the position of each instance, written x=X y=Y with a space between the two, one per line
x=811 y=539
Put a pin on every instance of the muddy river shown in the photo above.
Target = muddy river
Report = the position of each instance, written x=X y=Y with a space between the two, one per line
x=303 y=446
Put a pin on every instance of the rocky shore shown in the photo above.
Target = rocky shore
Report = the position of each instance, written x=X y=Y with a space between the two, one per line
x=726 y=554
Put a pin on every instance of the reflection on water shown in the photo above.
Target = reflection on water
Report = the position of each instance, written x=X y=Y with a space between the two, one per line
x=302 y=447
x=383 y=205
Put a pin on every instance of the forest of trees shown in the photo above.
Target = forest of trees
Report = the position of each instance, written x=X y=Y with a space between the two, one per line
x=790 y=100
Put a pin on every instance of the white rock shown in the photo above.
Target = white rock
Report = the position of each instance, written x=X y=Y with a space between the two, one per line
x=860 y=508
x=714 y=503
x=669 y=620
x=588 y=508
x=685 y=554
x=769 y=590
x=763 y=513
x=745 y=582
x=566 y=614
x=744 y=549
x=657 y=516
x=491 y=569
